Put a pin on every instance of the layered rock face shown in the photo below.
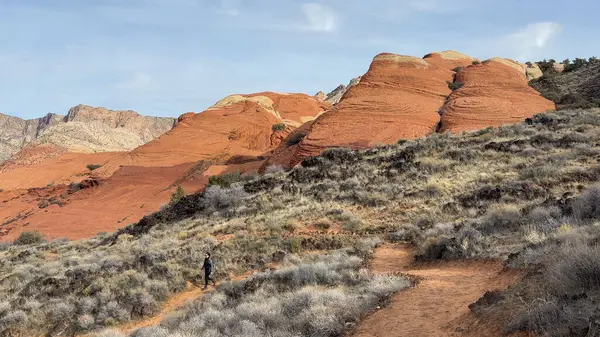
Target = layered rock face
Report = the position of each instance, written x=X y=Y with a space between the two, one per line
x=84 y=129
x=238 y=125
x=16 y=132
x=144 y=127
x=402 y=97
x=399 y=97
x=335 y=96
x=494 y=93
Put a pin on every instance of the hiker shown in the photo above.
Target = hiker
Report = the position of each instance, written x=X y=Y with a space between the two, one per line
x=207 y=270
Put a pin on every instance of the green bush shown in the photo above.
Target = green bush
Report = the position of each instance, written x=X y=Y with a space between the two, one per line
x=93 y=167
x=454 y=85
x=29 y=238
x=278 y=127
x=177 y=195
x=225 y=180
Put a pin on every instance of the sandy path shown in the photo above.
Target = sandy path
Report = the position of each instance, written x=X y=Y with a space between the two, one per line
x=175 y=302
x=438 y=306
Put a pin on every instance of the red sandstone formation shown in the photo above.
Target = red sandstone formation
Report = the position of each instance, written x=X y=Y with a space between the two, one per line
x=494 y=93
x=399 y=97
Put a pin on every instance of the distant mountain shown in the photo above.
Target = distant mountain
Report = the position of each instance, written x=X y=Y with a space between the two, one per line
x=336 y=94
x=84 y=129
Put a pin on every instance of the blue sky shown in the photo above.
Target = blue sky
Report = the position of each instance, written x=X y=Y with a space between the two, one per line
x=167 y=57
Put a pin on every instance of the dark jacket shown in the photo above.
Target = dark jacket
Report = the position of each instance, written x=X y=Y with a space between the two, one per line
x=207 y=266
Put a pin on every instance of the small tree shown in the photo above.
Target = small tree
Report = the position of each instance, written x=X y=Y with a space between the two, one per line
x=454 y=85
x=92 y=167
x=278 y=127
x=29 y=238
x=177 y=195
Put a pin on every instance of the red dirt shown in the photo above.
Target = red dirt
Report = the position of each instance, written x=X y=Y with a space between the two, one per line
x=438 y=305
x=494 y=93
x=397 y=98
x=127 y=196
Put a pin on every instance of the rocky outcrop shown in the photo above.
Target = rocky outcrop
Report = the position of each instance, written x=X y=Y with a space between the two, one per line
x=238 y=125
x=144 y=127
x=399 y=97
x=533 y=71
x=16 y=132
x=335 y=96
x=493 y=93
x=83 y=129
x=284 y=153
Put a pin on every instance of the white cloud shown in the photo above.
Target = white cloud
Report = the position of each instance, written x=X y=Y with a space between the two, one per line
x=320 y=18
x=529 y=41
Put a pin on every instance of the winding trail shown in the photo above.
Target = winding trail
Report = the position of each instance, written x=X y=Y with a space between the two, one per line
x=175 y=302
x=438 y=305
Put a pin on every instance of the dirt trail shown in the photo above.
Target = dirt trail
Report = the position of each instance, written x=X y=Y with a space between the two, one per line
x=177 y=301
x=438 y=305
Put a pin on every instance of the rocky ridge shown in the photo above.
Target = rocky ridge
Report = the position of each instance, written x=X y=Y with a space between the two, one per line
x=83 y=129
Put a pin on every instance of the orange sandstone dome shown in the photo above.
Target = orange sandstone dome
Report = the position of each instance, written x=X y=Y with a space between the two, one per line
x=494 y=93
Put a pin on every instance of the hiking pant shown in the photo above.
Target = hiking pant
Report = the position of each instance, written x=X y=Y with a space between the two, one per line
x=207 y=277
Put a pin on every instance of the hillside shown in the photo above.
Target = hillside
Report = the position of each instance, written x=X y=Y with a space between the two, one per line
x=83 y=129
x=512 y=193
x=575 y=86
x=120 y=187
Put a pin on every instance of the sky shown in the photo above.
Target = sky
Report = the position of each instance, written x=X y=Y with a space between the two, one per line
x=168 y=57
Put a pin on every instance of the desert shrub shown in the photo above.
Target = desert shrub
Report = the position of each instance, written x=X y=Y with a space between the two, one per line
x=278 y=127
x=93 y=167
x=543 y=219
x=576 y=269
x=457 y=69
x=225 y=180
x=546 y=65
x=445 y=242
x=323 y=224
x=217 y=198
x=274 y=169
x=295 y=138
x=563 y=303
x=29 y=238
x=501 y=219
x=475 y=62
x=408 y=233
x=177 y=195
x=113 y=333
x=587 y=205
x=349 y=221
x=454 y=85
